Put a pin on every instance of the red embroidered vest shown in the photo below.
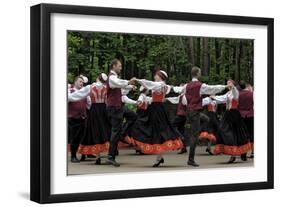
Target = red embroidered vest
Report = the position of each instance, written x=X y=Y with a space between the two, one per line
x=98 y=95
x=194 y=100
x=114 y=95
x=77 y=109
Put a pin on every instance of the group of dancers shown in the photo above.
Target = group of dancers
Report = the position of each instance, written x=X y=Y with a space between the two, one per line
x=99 y=121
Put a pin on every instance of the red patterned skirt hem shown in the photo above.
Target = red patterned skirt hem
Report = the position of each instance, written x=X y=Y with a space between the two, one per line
x=93 y=149
x=98 y=148
x=145 y=148
x=207 y=136
x=232 y=150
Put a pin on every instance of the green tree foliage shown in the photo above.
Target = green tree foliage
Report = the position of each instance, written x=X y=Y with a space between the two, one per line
x=90 y=53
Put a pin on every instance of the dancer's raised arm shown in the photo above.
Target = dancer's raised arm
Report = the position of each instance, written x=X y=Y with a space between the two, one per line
x=79 y=94
x=176 y=100
x=179 y=89
x=211 y=89
x=127 y=100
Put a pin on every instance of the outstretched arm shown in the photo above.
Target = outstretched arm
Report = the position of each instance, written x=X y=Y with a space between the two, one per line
x=206 y=101
x=115 y=82
x=80 y=94
x=211 y=89
x=150 y=85
x=179 y=89
x=220 y=99
x=173 y=100
x=127 y=100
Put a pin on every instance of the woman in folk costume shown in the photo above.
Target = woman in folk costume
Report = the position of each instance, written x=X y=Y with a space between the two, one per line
x=97 y=131
x=209 y=128
x=143 y=103
x=159 y=135
x=233 y=137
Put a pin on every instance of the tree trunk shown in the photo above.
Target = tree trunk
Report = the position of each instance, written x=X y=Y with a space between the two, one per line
x=217 y=55
x=198 y=52
x=205 y=70
x=191 y=51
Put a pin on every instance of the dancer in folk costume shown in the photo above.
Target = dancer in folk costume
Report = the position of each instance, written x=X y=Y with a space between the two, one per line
x=116 y=111
x=159 y=136
x=233 y=137
x=193 y=93
x=246 y=109
x=143 y=103
x=180 y=118
x=76 y=118
x=209 y=128
x=97 y=132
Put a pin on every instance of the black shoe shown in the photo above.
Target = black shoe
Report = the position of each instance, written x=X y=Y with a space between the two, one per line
x=183 y=151
x=158 y=163
x=252 y=156
x=192 y=163
x=83 y=158
x=91 y=156
x=209 y=151
x=231 y=160
x=74 y=160
x=139 y=152
x=98 y=161
x=112 y=162
x=244 y=157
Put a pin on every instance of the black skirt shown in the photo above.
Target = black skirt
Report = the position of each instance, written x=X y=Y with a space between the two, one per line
x=152 y=133
x=233 y=136
x=97 y=131
x=209 y=129
x=249 y=122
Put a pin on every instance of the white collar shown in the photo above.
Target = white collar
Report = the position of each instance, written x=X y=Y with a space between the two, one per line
x=98 y=84
x=194 y=79
x=113 y=72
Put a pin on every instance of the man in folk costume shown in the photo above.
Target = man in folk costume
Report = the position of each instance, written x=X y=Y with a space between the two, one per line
x=76 y=118
x=115 y=109
x=193 y=93
x=246 y=109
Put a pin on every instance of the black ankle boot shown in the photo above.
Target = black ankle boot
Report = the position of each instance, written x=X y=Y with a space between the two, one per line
x=98 y=161
x=158 y=162
x=244 y=157
x=231 y=160
x=192 y=163
x=209 y=151
x=183 y=150
x=83 y=158
x=113 y=162
x=74 y=159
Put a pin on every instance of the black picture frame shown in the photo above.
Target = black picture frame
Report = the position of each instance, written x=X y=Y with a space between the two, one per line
x=41 y=95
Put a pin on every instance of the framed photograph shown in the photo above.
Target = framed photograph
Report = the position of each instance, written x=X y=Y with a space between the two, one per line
x=133 y=103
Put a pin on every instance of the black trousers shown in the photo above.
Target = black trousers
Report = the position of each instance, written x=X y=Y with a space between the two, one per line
x=118 y=128
x=179 y=123
x=76 y=129
x=193 y=119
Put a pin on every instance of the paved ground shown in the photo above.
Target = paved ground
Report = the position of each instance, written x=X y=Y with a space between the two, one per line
x=132 y=162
